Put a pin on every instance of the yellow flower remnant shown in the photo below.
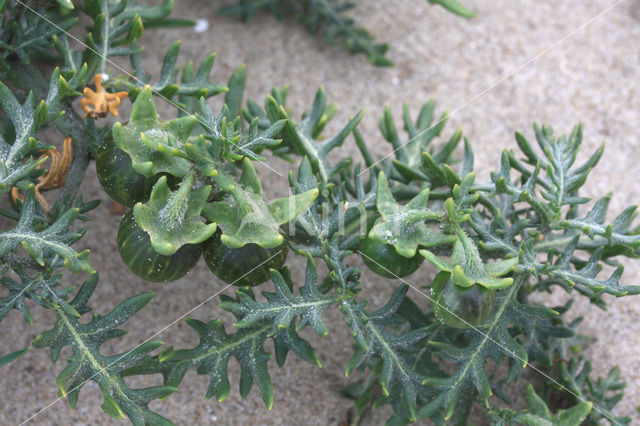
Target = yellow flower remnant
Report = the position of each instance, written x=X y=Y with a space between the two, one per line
x=102 y=101
x=54 y=178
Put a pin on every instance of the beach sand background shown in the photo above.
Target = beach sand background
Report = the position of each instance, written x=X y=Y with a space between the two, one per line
x=516 y=63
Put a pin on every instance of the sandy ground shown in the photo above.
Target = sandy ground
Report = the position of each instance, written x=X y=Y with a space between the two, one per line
x=516 y=63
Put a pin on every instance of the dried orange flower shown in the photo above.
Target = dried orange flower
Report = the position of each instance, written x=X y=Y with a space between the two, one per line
x=103 y=102
x=55 y=177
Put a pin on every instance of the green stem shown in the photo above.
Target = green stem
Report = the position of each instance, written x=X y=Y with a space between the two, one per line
x=28 y=78
x=105 y=38
x=71 y=124
x=511 y=293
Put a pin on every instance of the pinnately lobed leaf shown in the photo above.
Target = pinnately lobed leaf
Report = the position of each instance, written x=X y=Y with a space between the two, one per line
x=54 y=240
x=172 y=218
x=87 y=362
x=524 y=230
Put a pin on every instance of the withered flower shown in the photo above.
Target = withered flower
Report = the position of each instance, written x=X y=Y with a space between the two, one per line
x=103 y=102
x=54 y=178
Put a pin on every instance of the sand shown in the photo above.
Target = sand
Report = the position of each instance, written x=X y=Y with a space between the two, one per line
x=517 y=62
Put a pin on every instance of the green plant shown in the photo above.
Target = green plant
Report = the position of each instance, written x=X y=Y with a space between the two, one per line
x=137 y=253
x=521 y=232
x=246 y=265
x=118 y=177
x=461 y=307
x=330 y=17
x=383 y=259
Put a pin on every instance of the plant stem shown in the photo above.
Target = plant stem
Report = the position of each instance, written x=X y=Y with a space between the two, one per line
x=28 y=78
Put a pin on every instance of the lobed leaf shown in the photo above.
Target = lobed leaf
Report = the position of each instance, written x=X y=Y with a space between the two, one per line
x=404 y=227
x=87 y=362
x=43 y=246
x=244 y=217
x=154 y=146
x=283 y=307
x=172 y=219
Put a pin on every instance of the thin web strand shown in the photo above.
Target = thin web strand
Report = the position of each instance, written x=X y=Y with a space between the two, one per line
x=485 y=335
x=128 y=74
x=102 y=370
x=473 y=99
x=497 y=83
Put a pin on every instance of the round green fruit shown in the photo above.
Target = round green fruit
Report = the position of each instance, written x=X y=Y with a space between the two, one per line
x=118 y=177
x=461 y=307
x=135 y=249
x=247 y=265
x=383 y=259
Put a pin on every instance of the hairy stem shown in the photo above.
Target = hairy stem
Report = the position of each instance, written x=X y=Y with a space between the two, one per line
x=70 y=124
